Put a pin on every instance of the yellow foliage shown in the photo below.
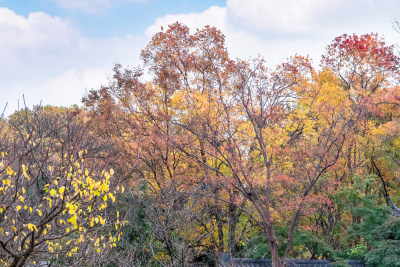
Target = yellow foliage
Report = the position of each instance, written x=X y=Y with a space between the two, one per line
x=70 y=196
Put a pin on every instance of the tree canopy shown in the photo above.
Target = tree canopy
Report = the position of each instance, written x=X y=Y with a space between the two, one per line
x=217 y=155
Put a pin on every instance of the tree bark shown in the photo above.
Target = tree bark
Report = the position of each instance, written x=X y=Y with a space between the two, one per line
x=273 y=246
x=232 y=221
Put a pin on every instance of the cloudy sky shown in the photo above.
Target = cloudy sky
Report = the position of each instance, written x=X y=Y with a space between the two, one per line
x=52 y=51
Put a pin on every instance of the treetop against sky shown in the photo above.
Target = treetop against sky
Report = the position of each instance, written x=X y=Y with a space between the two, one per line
x=54 y=50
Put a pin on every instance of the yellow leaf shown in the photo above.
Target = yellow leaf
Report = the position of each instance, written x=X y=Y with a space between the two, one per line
x=18 y=208
x=9 y=171
x=53 y=192
x=24 y=172
x=61 y=190
x=32 y=227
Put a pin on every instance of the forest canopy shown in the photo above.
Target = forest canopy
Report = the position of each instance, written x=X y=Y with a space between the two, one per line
x=195 y=155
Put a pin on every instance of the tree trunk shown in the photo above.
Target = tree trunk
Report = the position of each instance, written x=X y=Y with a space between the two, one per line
x=233 y=219
x=273 y=246
x=220 y=226
x=276 y=261
x=396 y=210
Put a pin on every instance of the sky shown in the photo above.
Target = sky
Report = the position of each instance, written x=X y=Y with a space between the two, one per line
x=54 y=51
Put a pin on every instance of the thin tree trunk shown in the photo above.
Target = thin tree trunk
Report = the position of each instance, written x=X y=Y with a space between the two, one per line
x=233 y=220
x=273 y=246
x=220 y=226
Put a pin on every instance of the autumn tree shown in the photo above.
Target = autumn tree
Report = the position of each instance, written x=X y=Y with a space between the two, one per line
x=365 y=69
x=270 y=144
x=163 y=180
x=54 y=194
x=253 y=129
x=368 y=70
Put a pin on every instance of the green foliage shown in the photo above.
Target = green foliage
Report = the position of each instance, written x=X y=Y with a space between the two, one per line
x=385 y=245
x=384 y=254
x=357 y=253
x=310 y=243
x=257 y=247
x=367 y=210
x=372 y=216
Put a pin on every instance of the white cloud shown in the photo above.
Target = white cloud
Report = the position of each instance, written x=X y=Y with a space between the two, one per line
x=69 y=85
x=64 y=89
x=91 y=6
x=47 y=59
x=27 y=34
x=215 y=16
x=309 y=17
x=290 y=16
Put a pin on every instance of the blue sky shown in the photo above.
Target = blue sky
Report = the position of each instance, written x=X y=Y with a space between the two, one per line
x=106 y=20
x=52 y=51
